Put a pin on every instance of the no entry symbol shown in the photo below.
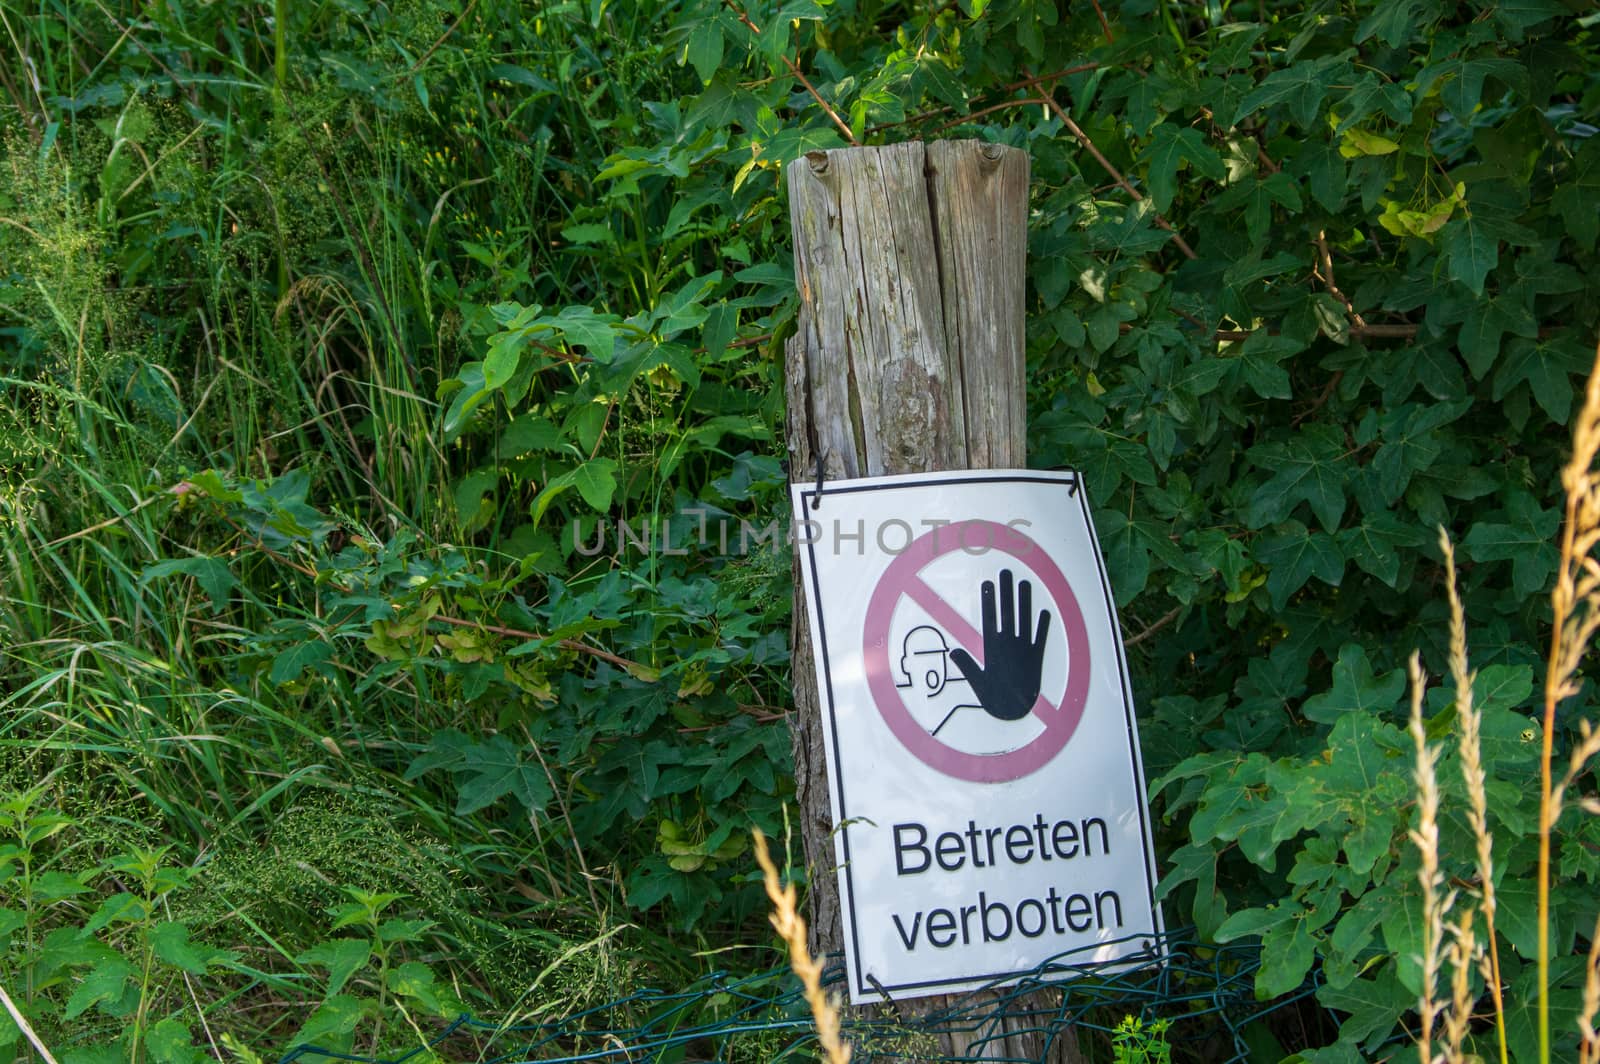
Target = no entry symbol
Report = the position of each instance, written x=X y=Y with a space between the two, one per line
x=1022 y=634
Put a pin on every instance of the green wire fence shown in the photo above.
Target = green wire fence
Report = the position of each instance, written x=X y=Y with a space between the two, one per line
x=1205 y=992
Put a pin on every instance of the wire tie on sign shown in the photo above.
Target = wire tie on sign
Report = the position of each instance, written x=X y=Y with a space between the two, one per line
x=816 y=496
x=1072 y=485
x=884 y=994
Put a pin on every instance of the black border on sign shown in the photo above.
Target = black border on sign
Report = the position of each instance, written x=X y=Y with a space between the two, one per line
x=1074 y=486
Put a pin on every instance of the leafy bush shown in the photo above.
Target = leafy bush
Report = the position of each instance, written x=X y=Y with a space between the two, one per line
x=345 y=336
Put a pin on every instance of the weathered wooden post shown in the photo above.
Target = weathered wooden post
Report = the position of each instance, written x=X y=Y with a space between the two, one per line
x=909 y=260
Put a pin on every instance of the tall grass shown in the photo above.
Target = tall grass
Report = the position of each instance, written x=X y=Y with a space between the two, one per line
x=1460 y=939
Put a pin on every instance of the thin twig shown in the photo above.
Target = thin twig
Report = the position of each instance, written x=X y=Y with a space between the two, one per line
x=1326 y=262
x=1025 y=83
x=1116 y=175
x=1150 y=630
x=1105 y=27
x=794 y=69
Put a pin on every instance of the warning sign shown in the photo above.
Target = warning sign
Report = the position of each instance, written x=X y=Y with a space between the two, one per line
x=983 y=754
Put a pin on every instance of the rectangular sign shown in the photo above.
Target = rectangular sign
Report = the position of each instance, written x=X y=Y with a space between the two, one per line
x=983 y=756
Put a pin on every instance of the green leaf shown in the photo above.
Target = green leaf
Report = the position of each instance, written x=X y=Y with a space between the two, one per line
x=493 y=770
x=595 y=333
x=472 y=390
x=529 y=432
x=1301 y=87
x=1286 y=955
x=1294 y=555
x=1489 y=320
x=1311 y=467
x=1259 y=356
x=1374 y=1004
x=1526 y=539
x=1356 y=689
x=343 y=957
x=1470 y=250
x=214 y=576
x=169 y=1041
x=293 y=662
x=413 y=980
x=1411 y=444
x=596 y=481
x=1375 y=544
x=704 y=50
x=334 y=1022
x=1253 y=923
x=1171 y=148
x=1576 y=195
x=105 y=985
x=1546 y=366
x=169 y=941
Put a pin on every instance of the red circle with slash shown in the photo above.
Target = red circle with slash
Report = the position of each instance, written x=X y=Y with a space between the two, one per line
x=903 y=579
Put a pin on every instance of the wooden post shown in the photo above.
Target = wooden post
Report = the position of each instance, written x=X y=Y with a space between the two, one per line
x=909 y=260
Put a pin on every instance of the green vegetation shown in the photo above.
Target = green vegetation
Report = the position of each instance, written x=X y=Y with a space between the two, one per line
x=337 y=338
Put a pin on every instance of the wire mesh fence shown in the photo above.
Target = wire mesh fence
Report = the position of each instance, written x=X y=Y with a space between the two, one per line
x=1204 y=992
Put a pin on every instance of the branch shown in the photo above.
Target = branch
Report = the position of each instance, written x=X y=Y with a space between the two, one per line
x=794 y=69
x=1116 y=175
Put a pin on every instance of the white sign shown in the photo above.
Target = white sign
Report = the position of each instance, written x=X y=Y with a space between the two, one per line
x=983 y=757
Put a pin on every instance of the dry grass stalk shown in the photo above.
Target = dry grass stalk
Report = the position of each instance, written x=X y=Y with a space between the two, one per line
x=1461 y=954
x=22 y=1025
x=1575 y=609
x=791 y=927
x=1472 y=773
x=1589 y=1048
x=1426 y=838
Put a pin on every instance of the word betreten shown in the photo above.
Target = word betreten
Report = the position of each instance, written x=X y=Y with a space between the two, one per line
x=1018 y=843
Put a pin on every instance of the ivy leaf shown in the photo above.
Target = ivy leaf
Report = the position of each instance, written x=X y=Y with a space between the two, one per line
x=1577 y=197
x=1377 y=542
x=1470 y=250
x=1171 y=148
x=1258 y=363
x=1525 y=539
x=494 y=770
x=1301 y=86
x=1410 y=445
x=1293 y=556
x=1546 y=366
x=1489 y=320
x=1311 y=467
x=1356 y=689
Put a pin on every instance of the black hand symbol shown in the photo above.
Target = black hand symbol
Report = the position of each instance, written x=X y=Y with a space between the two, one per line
x=1007 y=683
